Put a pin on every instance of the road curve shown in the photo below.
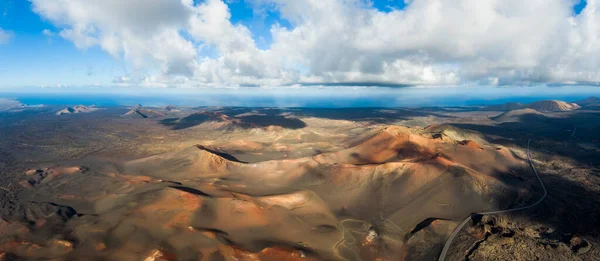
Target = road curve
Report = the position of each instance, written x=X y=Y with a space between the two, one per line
x=459 y=228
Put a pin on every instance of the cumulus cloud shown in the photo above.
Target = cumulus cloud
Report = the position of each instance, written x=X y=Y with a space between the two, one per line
x=437 y=41
x=5 y=36
x=145 y=32
x=430 y=42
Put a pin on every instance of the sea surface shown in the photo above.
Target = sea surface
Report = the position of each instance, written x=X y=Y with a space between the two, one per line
x=325 y=97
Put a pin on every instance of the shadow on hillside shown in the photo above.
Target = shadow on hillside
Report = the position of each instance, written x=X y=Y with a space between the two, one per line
x=586 y=126
x=245 y=122
x=221 y=154
x=264 y=117
x=573 y=202
x=377 y=115
x=570 y=207
x=570 y=211
x=565 y=134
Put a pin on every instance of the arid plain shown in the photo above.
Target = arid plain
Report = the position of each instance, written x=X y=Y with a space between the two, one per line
x=208 y=183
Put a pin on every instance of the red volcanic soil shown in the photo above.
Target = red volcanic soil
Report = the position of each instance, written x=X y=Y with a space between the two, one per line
x=390 y=144
x=471 y=144
x=371 y=201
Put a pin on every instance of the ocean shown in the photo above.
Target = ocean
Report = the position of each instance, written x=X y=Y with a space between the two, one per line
x=313 y=97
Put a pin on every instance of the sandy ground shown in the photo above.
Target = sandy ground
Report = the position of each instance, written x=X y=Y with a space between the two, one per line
x=275 y=184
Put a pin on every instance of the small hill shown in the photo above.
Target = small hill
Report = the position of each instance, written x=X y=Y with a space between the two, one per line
x=223 y=121
x=391 y=144
x=77 y=109
x=190 y=162
x=517 y=115
x=171 y=108
x=143 y=113
x=455 y=133
x=553 y=106
x=540 y=106
x=509 y=106
x=591 y=101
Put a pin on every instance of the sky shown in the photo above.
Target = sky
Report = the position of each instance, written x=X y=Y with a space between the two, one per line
x=281 y=43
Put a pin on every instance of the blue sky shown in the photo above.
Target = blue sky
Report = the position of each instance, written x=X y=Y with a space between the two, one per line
x=31 y=58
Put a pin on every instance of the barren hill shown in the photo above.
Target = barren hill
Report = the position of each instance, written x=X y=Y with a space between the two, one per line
x=394 y=189
x=143 y=113
x=542 y=106
x=77 y=109
x=553 y=106
x=591 y=101
x=442 y=131
x=517 y=115
x=171 y=108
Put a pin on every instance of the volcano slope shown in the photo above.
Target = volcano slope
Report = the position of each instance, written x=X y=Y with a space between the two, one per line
x=393 y=193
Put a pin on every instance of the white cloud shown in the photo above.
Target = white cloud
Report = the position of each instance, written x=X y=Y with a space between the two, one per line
x=48 y=33
x=5 y=36
x=438 y=41
x=145 y=32
x=431 y=42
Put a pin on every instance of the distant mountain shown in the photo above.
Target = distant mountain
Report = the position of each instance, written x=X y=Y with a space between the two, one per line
x=553 y=106
x=517 y=115
x=589 y=101
x=143 y=113
x=505 y=107
x=540 y=106
x=77 y=109
x=171 y=108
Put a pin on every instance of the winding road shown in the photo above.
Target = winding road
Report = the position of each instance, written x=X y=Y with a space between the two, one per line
x=459 y=228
